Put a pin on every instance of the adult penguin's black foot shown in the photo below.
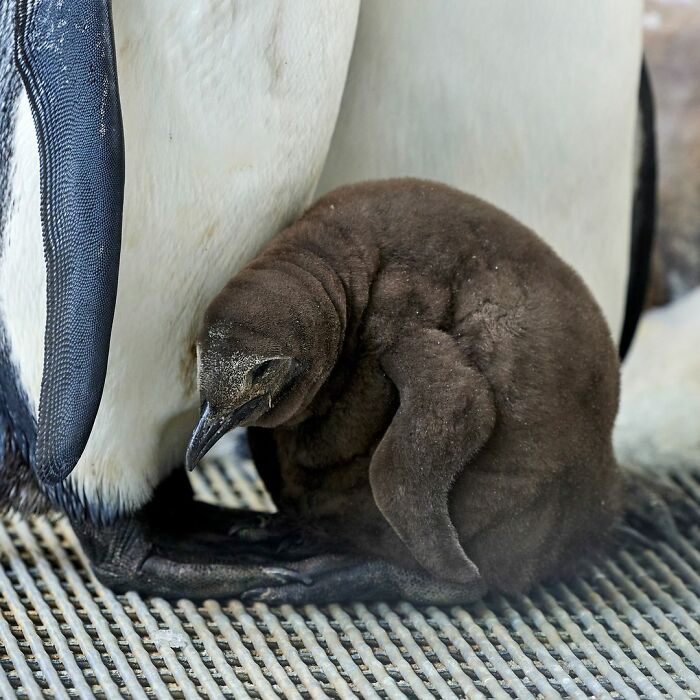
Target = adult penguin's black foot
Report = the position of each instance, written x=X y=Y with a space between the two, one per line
x=335 y=578
x=655 y=508
x=177 y=547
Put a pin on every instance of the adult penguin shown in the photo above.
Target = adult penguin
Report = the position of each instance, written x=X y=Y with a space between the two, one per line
x=497 y=98
x=228 y=110
x=212 y=121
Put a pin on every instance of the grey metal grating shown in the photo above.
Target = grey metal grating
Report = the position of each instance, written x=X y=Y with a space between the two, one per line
x=629 y=628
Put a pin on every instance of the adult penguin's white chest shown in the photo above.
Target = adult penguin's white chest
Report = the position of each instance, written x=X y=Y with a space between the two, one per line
x=228 y=111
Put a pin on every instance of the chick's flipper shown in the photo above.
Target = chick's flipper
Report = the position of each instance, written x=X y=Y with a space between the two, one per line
x=431 y=439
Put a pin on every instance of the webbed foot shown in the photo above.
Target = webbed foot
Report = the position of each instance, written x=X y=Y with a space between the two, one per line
x=655 y=508
x=148 y=567
x=335 y=578
x=178 y=547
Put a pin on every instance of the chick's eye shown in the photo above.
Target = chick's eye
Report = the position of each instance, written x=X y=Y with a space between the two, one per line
x=261 y=370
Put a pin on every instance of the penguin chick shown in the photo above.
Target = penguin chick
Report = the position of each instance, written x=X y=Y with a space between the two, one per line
x=429 y=383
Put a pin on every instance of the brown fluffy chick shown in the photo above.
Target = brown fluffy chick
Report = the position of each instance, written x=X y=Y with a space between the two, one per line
x=430 y=384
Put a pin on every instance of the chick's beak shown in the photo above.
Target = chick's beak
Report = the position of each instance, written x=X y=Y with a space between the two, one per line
x=212 y=427
x=207 y=432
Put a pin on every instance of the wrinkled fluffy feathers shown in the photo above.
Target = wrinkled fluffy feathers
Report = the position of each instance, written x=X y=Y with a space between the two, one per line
x=461 y=390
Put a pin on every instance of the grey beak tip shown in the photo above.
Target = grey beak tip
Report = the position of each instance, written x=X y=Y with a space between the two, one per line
x=194 y=449
x=193 y=455
x=191 y=462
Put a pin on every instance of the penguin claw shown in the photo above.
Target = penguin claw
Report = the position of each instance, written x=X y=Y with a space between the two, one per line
x=625 y=534
x=284 y=575
x=256 y=595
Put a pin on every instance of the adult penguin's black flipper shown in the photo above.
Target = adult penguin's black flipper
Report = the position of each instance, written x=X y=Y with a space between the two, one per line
x=64 y=52
x=643 y=212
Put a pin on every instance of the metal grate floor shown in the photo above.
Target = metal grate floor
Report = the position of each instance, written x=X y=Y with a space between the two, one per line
x=629 y=628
